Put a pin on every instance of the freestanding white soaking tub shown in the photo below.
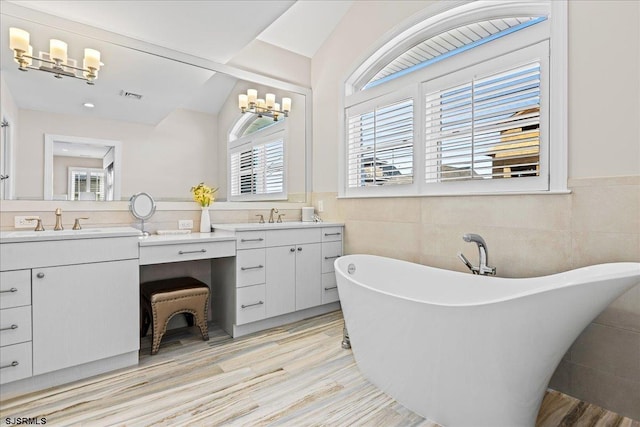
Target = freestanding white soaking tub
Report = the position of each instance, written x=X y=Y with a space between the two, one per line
x=467 y=350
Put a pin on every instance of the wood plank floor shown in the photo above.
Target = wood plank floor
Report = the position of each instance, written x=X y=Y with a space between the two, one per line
x=296 y=375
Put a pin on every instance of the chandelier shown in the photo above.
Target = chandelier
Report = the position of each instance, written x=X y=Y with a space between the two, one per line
x=55 y=61
x=250 y=103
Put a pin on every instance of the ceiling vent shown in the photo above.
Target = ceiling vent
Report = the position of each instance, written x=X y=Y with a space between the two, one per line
x=130 y=95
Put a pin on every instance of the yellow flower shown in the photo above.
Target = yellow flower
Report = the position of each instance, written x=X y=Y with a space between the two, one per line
x=203 y=194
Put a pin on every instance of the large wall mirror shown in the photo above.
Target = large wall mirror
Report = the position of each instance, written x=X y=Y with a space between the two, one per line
x=152 y=123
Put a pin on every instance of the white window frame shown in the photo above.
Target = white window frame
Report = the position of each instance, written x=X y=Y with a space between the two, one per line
x=450 y=15
x=261 y=137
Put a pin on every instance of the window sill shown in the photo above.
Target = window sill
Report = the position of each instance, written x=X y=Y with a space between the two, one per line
x=514 y=193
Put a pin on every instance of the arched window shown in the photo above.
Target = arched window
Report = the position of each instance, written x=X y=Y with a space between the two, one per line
x=256 y=160
x=459 y=103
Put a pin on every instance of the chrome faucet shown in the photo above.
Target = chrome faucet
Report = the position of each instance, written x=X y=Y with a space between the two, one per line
x=58 y=225
x=483 y=267
x=273 y=210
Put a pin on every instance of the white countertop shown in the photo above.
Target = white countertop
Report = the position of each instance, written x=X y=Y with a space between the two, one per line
x=273 y=226
x=176 y=239
x=85 y=233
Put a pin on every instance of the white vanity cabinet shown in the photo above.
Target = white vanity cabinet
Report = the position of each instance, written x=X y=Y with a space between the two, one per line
x=293 y=275
x=74 y=301
x=282 y=272
x=83 y=313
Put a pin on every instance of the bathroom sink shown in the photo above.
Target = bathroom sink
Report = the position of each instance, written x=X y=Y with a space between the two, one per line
x=30 y=235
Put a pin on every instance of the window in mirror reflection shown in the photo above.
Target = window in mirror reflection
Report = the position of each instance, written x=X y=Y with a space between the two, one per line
x=87 y=184
x=257 y=159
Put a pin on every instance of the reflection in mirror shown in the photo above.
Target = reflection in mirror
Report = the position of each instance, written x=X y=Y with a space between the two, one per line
x=81 y=168
x=172 y=120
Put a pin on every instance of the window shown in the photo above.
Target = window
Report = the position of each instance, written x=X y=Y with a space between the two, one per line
x=460 y=104
x=380 y=143
x=257 y=165
x=86 y=183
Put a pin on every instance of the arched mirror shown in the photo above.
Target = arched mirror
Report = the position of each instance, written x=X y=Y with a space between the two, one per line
x=142 y=206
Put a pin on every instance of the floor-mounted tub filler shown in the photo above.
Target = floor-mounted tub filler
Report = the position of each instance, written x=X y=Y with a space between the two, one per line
x=468 y=350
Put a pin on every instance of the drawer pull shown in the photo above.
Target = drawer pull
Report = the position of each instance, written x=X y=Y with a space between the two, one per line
x=8 y=290
x=332 y=257
x=192 y=252
x=40 y=275
x=332 y=234
x=11 y=365
x=252 y=268
x=332 y=287
x=259 y=239
x=8 y=328
x=251 y=305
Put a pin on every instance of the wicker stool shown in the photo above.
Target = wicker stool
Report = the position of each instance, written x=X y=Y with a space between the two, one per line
x=162 y=299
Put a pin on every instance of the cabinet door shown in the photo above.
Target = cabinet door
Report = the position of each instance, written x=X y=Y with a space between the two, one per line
x=280 y=280
x=83 y=313
x=308 y=276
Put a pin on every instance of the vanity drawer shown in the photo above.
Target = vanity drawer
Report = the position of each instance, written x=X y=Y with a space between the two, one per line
x=330 y=252
x=51 y=253
x=332 y=234
x=15 y=362
x=15 y=325
x=250 y=239
x=186 y=252
x=250 y=267
x=329 y=288
x=250 y=304
x=15 y=288
x=292 y=237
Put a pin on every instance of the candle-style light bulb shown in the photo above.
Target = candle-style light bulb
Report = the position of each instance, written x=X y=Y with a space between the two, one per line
x=270 y=100
x=58 y=51
x=252 y=95
x=243 y=101
x=18 y=39
x=92 y=59
x=286 y=104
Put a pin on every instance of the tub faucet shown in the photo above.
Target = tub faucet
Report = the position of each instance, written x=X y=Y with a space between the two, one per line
x=58 y=225
x=483 y=268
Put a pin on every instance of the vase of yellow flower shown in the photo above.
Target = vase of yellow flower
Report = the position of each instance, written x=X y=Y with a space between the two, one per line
x=203 y=195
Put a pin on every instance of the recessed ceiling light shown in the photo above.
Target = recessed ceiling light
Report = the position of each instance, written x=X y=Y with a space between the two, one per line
x=89 y=105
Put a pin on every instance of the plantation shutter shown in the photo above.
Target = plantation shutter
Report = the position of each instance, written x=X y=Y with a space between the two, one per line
x=485 y=128
x=258 y=168
x=380 y=144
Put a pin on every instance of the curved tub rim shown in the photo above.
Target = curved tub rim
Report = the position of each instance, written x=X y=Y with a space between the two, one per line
x=543 y=289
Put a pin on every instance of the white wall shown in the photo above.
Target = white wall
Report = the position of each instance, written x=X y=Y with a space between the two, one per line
x=269 y=60
x=604 y=88
x=164 y=160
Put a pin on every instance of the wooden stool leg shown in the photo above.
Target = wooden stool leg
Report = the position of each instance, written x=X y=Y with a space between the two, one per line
x=145 y=318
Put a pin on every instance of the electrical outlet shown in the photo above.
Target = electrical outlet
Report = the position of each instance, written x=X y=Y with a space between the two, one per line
x=25 y=221
x=320 y=206
x=185 y=224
